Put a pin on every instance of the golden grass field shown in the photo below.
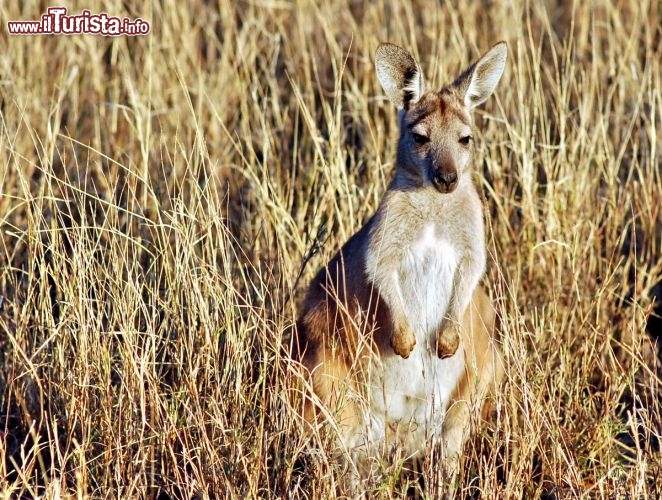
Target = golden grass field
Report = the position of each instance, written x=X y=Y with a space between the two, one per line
x=165 y=199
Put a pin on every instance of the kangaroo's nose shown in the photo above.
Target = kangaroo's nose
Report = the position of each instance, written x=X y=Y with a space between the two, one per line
x=445 y=180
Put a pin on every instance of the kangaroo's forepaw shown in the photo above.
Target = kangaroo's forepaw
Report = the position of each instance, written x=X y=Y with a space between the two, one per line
x=403 y=342
x=448 y=341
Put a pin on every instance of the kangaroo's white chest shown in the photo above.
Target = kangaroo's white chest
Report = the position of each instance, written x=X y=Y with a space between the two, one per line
x=408 y=397
x=426 y=280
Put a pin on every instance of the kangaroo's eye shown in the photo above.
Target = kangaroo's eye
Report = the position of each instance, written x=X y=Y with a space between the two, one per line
x=466 y=140
x=420 y=139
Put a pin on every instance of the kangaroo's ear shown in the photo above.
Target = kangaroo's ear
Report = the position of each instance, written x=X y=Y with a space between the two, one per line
x=399 y=74
x=478 y=81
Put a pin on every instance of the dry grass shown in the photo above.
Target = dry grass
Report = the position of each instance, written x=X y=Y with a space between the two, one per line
x=160 y=195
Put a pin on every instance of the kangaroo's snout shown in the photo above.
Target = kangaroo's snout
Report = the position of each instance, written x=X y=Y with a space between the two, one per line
x=445 y=181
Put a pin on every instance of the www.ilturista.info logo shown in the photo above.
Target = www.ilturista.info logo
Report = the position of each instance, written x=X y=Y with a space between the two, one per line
x=57 y=22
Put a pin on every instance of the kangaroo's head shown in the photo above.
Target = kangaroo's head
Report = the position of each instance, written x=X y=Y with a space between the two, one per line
x=436 y=128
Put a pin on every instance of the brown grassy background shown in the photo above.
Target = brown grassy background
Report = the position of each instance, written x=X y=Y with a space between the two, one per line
x=160 y=195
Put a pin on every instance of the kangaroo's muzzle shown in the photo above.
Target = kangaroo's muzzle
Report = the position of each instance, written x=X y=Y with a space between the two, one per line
x=445 y=181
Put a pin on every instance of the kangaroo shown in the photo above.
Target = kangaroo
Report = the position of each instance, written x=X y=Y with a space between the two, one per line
x=395 y=331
